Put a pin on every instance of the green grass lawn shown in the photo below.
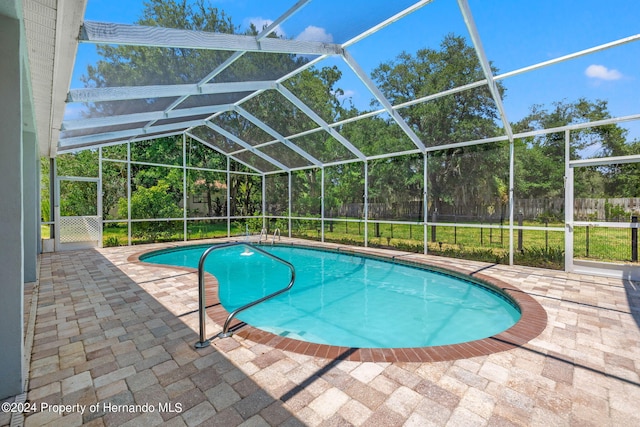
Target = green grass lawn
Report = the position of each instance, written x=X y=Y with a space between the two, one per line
x=603 y=244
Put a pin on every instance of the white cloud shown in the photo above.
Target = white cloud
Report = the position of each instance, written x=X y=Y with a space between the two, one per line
x=601 y=72
x=315 y=34
x=74 y=111
x=260 y=23
x=347 y=93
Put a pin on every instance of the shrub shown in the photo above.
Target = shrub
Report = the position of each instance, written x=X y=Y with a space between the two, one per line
x=152 y=202
x=111 y=241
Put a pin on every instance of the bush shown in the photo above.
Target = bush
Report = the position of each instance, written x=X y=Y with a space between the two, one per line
x=551 y=257
x=152 y=202
x=111 y=241
x=615 y=212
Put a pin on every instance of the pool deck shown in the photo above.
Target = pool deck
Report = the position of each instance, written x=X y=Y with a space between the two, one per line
x=107 y=331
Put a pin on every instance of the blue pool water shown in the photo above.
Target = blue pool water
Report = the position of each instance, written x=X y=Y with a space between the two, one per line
x=352 y=301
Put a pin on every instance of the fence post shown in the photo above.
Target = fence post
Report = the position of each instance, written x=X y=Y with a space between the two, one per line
x=520 y=220
x=587 y=241
x=433 y=226
x=634 y=240
x=546 y=235
x=490 y=232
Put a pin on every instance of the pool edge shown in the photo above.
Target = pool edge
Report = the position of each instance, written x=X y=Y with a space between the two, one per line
x=532 y=322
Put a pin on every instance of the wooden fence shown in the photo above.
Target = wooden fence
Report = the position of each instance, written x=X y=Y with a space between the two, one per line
x=585 y=209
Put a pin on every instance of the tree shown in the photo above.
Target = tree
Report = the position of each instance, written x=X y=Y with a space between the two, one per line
x=140 y=66
x=459 y=179
x=344 y=184
x=148 y=203
x=78 y=198
x=540 y=159
x=45 y=201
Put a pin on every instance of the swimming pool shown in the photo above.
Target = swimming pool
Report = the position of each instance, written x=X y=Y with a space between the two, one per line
x=347 y=300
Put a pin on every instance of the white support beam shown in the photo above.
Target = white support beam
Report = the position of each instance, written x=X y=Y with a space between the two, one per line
x=568 y=204
x=264 y=202
x=364 y=78
x=138 y=35
x=441 y=94
x=108 y=144
x=228 y=156
x=228 y=204
x=155 y=136
x=142 y=117
x=103 y=94
x=322 y=200
x=484 y=63
x=512 y=198
x=316 y=118
x=247 y=146
x=79 y=141
x=185 y=191
x=285 y=16
x=289 y=190
x=604 y=161
x=570 y=56
x=129 y=191
x=253 y=119
x=468 y=143
x=425 y=202
x=577 y=126
x=365 y=199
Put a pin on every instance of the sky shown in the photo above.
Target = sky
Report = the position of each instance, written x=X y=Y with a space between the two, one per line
x=514 y=34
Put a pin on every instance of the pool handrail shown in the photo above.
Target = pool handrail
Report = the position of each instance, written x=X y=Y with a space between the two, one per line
x=263 y=232
x=276 y=232
x=204 y=342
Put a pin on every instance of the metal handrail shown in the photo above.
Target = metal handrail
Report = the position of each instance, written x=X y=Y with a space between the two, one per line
x=263 y=232
x=201 y=297
x=276 y=231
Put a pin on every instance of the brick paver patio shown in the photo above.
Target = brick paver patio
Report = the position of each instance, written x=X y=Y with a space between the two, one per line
x=113 y=345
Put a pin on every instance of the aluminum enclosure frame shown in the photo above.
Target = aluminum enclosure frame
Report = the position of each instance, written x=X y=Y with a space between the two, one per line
x=97 y=32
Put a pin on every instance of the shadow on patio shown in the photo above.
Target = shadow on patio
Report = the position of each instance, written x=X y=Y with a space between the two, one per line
x=632 y=290
x=103 y=340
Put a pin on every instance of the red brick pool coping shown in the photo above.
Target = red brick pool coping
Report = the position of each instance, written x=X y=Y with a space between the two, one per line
x=532 y=322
